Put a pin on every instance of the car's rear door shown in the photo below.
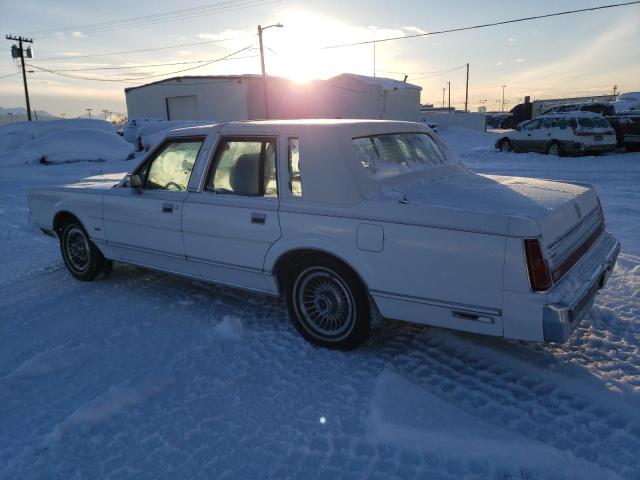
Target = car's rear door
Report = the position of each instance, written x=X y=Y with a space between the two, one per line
x=143 y=225
x=231 y=221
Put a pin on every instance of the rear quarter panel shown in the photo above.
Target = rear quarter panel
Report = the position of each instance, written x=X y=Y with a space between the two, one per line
x=444 y=265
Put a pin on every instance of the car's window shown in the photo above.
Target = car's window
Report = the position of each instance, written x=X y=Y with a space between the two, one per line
x=548 y=122
x=245 y=167
x=295 y=179
x=593 y=122
x=171 y=167
x=397 y=153
x=532 y=125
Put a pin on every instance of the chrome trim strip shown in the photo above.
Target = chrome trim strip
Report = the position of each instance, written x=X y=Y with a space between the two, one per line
x=201 y=279
x=182 y=257
x=472 y=309
x=146 y=250
x=224 y=265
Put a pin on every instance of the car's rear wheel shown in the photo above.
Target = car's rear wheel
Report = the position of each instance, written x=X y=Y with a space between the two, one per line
x=505 y=145
x=554 y=149
x=81 y=257
x=328 y=303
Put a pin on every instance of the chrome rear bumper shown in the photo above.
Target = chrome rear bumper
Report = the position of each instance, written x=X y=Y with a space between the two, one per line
x=561 y=319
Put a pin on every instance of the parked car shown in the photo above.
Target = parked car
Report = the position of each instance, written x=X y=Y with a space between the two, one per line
x=350 y=221
x=575 y=133
x=601 y=108
x=627 y=128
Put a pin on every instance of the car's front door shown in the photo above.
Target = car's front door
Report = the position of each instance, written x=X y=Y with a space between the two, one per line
x=231 y=222
x=529 y=136
x=143 y=224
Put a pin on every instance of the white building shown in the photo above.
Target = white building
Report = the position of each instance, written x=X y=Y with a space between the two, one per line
x=240 y=97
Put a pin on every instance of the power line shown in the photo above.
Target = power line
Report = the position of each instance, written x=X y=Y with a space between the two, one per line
x=190 y=62
x=485 y=25
x=9 y=75
x=164 y=17
x=108 y=54
x=419 y=73
x=122 y=20
x=78 y=77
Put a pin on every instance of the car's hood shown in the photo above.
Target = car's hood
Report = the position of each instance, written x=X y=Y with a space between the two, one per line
x=498 y=204
x=98 y=182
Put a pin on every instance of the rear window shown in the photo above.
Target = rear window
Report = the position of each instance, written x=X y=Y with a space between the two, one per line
x=394 y=154
x=593 y=122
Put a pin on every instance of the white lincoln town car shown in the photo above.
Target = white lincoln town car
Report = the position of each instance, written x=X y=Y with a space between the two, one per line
x=349 y=221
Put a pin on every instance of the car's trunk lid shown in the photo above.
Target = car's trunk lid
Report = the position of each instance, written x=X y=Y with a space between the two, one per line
x=566 y=213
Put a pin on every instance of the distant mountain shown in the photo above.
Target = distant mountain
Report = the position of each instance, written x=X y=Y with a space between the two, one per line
x=20 y=115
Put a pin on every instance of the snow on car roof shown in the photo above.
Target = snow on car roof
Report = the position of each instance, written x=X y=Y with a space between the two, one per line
x=359 y=126
x=577 y=114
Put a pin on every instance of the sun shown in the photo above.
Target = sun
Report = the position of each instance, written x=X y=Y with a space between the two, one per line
x=297 y=51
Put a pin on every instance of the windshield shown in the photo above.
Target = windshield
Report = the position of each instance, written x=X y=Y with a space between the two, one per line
x=593 y=122
x=394 y=154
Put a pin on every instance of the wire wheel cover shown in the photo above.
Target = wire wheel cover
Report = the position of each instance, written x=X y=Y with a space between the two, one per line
x=324 y=303
x=77 y=248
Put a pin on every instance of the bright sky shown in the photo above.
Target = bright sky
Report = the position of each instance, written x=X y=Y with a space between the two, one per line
x=581 y=54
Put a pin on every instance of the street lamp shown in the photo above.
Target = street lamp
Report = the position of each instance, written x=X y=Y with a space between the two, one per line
x=264 y=72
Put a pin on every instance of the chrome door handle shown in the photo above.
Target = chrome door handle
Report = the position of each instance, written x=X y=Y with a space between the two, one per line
x=167 y=208
x=259 y=218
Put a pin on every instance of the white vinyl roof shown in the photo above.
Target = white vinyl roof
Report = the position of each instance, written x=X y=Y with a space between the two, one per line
x=330 y=169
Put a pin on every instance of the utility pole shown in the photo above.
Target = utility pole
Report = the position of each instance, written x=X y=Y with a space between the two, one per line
x=10 y=116
x=466 y=94
x=264 y=72
x=503 y=87
x=615 y=89
x=443 y=90
x=19 y=51
x=449 y=83
x=63 y=115
x=374 y=53
x=89 y=110
x=105 y=113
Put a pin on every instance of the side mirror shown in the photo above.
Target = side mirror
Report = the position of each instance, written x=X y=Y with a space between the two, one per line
x=519 y=128
x=132 y=181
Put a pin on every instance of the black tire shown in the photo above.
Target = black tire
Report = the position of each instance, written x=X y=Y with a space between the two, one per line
x=107 y=267
x=506 y=145
x=81 y=257
x=328 y=304
x=555 y=149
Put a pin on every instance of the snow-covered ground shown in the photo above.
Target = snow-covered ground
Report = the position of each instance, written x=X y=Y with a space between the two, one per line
x=145 y=375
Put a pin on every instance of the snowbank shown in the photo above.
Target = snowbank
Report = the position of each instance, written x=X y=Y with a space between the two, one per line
x=15 y=135
x=66 y=145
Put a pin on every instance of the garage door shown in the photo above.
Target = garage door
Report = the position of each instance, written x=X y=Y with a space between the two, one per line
x=182 y=108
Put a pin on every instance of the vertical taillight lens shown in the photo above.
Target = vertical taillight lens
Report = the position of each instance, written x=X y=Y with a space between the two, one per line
x=601 y=209
x=539 y=274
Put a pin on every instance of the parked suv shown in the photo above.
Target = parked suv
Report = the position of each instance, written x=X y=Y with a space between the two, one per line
x=561 y=134
x=627 y=128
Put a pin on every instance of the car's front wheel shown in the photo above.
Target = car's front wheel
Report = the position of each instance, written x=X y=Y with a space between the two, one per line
x=505 y=145
x=81 y=257
x=328 y=304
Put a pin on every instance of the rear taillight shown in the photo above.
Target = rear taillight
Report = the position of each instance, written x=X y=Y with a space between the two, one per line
x=600 y=207
x=539 y=274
